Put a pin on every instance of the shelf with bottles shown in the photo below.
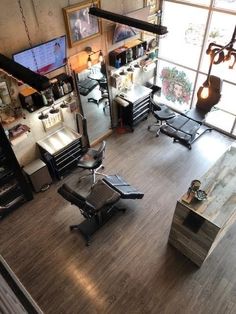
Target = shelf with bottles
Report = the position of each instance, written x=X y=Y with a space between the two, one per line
x=62 y=85
x=31 y=100
x=129 y=52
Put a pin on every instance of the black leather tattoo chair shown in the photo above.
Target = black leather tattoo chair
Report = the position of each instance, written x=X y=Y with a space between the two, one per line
x=185 y=128
x=99 y=205
x=162 y=113
x=86 y=86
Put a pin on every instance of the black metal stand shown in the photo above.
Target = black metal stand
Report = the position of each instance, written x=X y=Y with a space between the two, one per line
x=89 y=226
x=189 y=143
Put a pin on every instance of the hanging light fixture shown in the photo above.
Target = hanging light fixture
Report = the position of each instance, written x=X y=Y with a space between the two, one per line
x=89 y=62
x=43 y=116
x=126 y=20
x=224 y=53
x=91 y=53
x=64 y=105
x=212 y=92
x=100 y=56
x=53 y=110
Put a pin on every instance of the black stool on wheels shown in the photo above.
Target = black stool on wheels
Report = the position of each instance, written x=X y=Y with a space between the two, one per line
x=162 y=113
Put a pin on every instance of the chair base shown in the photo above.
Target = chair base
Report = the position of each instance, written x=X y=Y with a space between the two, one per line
x=89 y=226
x=93 y=173
x=158 y=124
x=189 y=143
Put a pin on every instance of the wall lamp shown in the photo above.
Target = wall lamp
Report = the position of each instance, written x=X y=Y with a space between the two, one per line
x=224 y=53
x=90 y=53
x=126 y=20
x=213 y=94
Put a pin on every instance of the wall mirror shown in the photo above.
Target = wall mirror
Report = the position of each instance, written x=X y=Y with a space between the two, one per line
x=94 y=98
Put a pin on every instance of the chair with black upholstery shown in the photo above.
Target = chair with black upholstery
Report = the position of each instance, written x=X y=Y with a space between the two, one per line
x=184 y=128
x=104 y=93
x=162 y=113
x=100 y=204
x=97 y=207
x=187 y=127
x=92 y=160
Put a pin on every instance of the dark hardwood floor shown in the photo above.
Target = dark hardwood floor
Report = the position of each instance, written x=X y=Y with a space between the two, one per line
x=129 y=267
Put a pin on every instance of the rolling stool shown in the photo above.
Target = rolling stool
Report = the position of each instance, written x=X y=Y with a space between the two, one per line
x=162 y=113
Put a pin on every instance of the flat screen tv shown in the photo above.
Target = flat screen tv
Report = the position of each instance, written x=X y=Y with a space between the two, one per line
x=49 y=56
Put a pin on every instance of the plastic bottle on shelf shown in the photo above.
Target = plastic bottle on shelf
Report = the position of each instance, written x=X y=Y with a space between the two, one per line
x=69 y=87
x=61 y=91
x=65 y=88
x=141 y=51
x=117 y=63
x=45 y=101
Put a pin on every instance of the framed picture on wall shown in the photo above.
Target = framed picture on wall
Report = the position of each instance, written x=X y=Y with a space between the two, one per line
x=152 y=4
x=80 y=25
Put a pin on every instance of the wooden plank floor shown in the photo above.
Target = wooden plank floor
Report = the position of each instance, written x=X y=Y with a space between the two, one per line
x=129 y=267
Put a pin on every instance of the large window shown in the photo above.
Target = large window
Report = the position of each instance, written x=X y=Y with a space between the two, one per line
x=183 y=62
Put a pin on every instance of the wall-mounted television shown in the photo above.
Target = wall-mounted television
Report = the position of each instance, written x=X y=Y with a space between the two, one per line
x=45 y=57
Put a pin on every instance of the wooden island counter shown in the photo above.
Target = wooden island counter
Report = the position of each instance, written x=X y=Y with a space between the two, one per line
x=199 y=226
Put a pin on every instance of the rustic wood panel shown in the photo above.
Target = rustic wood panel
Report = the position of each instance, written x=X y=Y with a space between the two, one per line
x=129 y=267
x=217 y=213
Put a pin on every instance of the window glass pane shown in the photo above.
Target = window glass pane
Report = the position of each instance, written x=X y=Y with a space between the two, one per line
x=222 y=115
x=221 y=31
x=203 y=2
x=226 y=4
x=221 y=120
x=234 y=132
x=186 y=27
x=176 y=85
x=227 y=102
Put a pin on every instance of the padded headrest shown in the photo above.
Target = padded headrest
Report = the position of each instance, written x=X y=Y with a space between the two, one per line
x=71 y=196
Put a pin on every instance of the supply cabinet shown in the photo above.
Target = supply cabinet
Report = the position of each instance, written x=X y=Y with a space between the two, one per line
x=138 y=99
x=61 y=151
x=14 y=189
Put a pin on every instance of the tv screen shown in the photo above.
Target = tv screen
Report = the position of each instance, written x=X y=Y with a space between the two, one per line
x=49 y=56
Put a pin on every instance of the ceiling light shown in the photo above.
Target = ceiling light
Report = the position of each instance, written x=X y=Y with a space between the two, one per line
x=126 y=20
x=35 y=80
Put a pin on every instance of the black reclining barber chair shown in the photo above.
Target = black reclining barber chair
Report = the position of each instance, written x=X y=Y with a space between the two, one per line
x=162 y=113
x=99 y=205
x=92 y=160
x=184 y=128
x=86 y=86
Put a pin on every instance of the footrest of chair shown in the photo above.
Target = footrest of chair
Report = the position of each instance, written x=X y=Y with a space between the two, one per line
x=176 y=134
x=121 y=186
x=181 y=128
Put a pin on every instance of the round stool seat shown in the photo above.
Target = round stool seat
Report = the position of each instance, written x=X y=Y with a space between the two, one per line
x=164 y=113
